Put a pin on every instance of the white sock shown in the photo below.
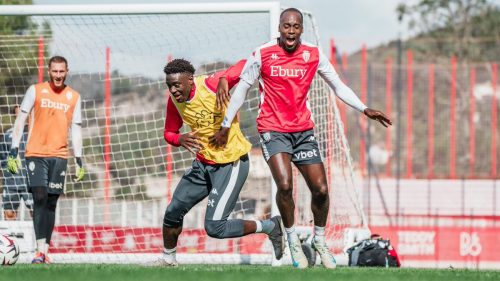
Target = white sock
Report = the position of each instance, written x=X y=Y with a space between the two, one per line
x=40 y=245
x=259 y=226
x=319 y=233
x=47 y=248
x=267 y=226
x=291 y=234
x=169 y=252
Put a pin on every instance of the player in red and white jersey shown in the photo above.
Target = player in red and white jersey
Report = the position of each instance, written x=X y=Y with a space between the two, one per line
x=285 y=69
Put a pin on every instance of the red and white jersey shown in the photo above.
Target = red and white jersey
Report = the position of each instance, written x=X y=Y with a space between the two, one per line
x=284 y=82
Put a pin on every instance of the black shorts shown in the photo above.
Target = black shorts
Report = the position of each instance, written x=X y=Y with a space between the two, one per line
x=301 y=145
x=48 y=172
x=222 y=184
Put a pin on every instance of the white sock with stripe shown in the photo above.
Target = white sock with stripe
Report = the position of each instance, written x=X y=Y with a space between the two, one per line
x=258 y=226
x=291 y=234
x=264 y=226
x=319 y=233
x=169 y=254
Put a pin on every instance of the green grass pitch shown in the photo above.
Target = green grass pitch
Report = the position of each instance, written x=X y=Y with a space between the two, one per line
x=89 y=272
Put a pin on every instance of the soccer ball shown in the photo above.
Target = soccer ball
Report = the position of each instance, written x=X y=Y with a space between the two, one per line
x=9 y=250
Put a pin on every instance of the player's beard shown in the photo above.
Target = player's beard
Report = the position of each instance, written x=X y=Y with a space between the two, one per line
x=58 y=84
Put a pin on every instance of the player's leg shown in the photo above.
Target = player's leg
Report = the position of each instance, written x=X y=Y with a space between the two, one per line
x=38 y=182
x=40 y=198
x=281 y=169
x=226 y=182
x=308 y=160
x=315 y=178
x=51 y=219
x=57 y=177
x=191 y=189
x=277 y=149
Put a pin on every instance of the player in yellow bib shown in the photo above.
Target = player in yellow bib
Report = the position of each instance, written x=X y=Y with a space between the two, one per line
x=218 y=173
x=53 y=109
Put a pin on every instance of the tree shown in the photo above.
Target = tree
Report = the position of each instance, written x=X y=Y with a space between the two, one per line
x=468 y=29
x=18 y=59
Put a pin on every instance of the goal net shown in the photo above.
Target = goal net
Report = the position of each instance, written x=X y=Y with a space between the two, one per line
x=116 y=55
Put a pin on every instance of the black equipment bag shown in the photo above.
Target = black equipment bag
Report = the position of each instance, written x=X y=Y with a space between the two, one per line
x=373 y=252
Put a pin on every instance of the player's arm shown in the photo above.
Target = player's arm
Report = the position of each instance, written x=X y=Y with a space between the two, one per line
x=251 y=71
x=328 y=73
x=76 y=139
x=13 y=161
x=171 y=132
x=225 y=81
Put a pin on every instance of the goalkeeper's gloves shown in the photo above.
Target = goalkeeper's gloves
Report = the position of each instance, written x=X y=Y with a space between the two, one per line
x=80 y=171
x=13 y=161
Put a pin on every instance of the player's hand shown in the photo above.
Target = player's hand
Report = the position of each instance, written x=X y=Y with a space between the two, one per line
x=191 y=142
x=378 y=116
x=222 y=96
x=220 y=138
x=80 y=171
x=13 y=162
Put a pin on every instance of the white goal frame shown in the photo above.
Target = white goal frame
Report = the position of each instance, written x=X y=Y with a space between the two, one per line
x=272 y=8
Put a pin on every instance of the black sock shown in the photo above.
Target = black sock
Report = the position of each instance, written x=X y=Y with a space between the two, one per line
x=51 y=216
x=40 y=198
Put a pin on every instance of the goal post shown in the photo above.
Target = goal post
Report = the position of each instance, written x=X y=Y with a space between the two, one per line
x=116 y=55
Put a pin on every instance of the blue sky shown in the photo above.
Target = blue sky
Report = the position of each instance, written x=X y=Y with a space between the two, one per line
x=351 y=23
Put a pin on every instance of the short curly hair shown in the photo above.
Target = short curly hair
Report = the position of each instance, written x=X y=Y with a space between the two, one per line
x=179 y=66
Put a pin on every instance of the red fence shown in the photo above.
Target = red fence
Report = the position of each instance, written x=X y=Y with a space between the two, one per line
x=416 y=246
x=448 y=117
